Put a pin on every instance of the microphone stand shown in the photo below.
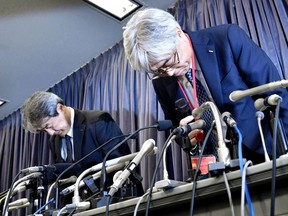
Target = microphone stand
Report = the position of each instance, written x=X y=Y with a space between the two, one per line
x=223 y=151
x=161 y=126
x=182 y=107
x=281 y=135
x=233 y=147
x=103 y=179
x=74 y=164
x=40 y=192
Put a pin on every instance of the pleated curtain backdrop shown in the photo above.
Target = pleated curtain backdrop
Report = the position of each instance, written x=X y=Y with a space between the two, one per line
x=108 y=83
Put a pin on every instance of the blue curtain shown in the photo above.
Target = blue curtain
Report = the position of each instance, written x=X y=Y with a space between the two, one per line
x=108 y=83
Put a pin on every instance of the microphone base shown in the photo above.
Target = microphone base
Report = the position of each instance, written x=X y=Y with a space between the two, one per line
x=216 y=169
x=168 y=183
x=49 y=212
x=102 y=201
x=127 y=191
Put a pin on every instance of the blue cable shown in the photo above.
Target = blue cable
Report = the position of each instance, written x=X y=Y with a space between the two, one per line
x=40 y=209
x=249 y=202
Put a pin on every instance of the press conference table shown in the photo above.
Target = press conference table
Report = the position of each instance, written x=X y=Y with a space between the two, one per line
x=211 y=195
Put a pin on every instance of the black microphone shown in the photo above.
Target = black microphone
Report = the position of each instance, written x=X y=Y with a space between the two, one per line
x=183 y=110
x=263 y=103
x=52 y=171
x=200 y=124
x=240 y=94
x=161 y=126
x=231 y=134
x=33 y=169
x=182 y=107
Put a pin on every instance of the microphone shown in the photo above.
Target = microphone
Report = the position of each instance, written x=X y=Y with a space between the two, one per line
x=161 y=126
x=240 y=94
x=21 y=203
x=259 y=115
x=198 y=112
x=54 y=168
x=86 y=156
x=182 y=107
x=33 y=169
x=227 y=117
x=30 y=176
x=71 y=179
x=147 y=147
x=231 y=134
x=25 y=178
x=189 y=127
x=95 y=176
x=23 y=186
x=51 y=171
x=112 y=165
x=18 y=202
x=223 y=151
x=261 y=104
x=183 y=110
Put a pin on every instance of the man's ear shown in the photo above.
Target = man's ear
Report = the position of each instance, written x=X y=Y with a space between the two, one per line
x=60 y=108
x=179 y=32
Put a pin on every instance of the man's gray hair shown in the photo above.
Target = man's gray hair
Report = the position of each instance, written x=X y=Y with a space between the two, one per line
x=150 y=37
x=37 y=108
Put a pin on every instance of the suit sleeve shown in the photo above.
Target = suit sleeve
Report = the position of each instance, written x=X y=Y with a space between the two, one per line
x=106 y=128
x=256 y=68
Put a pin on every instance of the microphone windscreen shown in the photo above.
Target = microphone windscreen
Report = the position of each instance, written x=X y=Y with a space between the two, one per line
x=182 y=107
x=164 y=125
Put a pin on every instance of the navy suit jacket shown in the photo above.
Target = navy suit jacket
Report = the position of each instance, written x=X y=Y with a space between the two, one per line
x=90 y=130
x=229 y=61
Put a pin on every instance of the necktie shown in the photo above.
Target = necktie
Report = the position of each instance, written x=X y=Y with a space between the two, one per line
x=69 y=148
x=207 y=115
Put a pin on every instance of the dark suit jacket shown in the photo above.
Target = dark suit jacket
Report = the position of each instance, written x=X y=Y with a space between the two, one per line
x=235 y=63
x=90 y=130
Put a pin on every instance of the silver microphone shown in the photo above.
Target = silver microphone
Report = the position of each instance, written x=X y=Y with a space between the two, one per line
x=263 y=103
x=189 y=127
x=228 y=119
x=71 y=179
x=223 y=151
x=147 y=147
x=198 y=112
x=240 y=94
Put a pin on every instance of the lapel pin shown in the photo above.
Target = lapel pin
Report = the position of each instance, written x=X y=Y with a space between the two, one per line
x=210 y=51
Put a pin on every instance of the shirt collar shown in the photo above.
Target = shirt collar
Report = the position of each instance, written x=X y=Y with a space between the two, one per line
x=72 y=114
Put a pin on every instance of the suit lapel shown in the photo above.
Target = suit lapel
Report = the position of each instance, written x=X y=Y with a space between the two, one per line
x=78 y=133
x=206 y=56
x=55 y=145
